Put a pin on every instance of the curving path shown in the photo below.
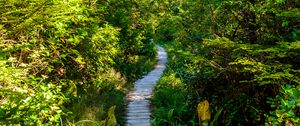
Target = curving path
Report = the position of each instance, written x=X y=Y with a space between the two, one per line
x=138 y=108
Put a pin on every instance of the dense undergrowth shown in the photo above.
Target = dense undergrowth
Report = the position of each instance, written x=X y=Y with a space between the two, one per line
x=70 y=62
x=240 y=56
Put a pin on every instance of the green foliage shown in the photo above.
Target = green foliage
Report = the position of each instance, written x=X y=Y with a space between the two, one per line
x=33 y=101
x=173 y=109
x=171 y=99
x=109 y=121
x=235 y=77
x=235 y=54
x=243 y=75
x=56 y=56
x=286 y=107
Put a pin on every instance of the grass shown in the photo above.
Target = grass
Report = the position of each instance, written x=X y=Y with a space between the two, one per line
x=91 y=107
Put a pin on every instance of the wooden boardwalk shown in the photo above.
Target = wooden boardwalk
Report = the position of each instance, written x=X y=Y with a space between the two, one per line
x=138 y=111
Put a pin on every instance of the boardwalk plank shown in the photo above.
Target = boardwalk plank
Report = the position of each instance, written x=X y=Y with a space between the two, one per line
x=138 y=111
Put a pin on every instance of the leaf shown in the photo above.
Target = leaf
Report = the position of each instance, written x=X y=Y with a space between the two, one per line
x=216 y=117
x=280 y=1
x=111 y=119
x=203 y=111
x=170 y=114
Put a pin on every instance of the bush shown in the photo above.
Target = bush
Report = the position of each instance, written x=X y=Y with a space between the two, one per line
x=56 y=55
x=286 y=107
x=174 y=108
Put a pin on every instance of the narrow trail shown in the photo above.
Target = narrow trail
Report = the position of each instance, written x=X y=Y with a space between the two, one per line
x=138 y=109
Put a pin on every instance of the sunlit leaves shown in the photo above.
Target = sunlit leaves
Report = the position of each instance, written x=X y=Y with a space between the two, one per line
x=280 y=1
x=50 y=48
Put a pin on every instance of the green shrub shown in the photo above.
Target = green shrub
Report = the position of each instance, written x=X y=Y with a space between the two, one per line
x=174 y=108
x=58 y=55
x=286 y=107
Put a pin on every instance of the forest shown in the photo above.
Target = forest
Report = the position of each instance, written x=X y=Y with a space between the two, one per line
x=72 y=62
